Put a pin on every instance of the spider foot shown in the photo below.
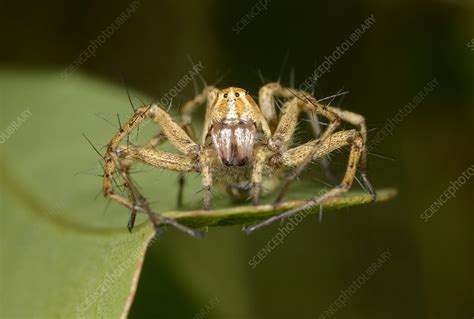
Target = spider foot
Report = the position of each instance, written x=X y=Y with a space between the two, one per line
x=190 y=231
x=248 y=229
x=159 y=221
x=131 y=221
x=130 y=225
x=368 y=185
x=254 y=227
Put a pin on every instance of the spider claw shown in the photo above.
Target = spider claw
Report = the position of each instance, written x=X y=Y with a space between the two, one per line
x=129 y=226
x=281 y=216
x=252 y=228
x=248 y=230
x=193 y=232
x=369 y=186
x=374 y=196
x=198 y=234
x=131 y=221
x=190 y=231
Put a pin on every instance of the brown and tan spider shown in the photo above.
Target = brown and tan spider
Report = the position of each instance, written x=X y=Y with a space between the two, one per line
x=244 y=146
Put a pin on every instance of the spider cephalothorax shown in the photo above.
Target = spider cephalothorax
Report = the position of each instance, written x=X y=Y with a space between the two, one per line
x=244 y=146
x=234 y=120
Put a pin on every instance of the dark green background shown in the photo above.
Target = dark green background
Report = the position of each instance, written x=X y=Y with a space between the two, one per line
x=430 y=272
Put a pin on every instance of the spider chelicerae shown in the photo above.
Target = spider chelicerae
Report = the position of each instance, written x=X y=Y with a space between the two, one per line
x=245 y=146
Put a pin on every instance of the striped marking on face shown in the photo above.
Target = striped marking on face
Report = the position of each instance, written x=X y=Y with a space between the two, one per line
x=235 y=104
x=232 y=113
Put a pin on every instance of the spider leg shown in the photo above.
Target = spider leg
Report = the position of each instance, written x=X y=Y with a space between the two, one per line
x=267 y=104
x=299 y=154
x=136 y=202
x=266 y=101
x=207 y=94
x=168 y=161
x=181 y=182
x=160 y=139
x=316 y=128
x=286 y=128
x=164 y=160
x=156 y=141
x=131 y=220
x=111 y=160
x=326 y=160
x=257 y=173
x=186 y=137
x=134 y=196
x=174 y=132
x=125 y=167
x=358 y=121
x=206 y=175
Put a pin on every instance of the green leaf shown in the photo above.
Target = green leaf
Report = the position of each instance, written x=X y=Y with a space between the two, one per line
x=52 y=267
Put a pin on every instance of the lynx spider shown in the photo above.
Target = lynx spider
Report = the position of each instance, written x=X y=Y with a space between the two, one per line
x=244 y=146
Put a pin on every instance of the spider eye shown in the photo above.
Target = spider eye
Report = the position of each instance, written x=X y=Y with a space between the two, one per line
x=237 y=94
x=247 y=92
x=225 y=95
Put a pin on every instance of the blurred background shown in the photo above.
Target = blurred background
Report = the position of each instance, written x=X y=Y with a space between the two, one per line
x=429 y=273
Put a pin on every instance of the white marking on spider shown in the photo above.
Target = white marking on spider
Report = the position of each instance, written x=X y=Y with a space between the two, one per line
x=232 y=114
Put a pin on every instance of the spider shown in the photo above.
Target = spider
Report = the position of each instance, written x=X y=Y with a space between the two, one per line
x=245 y=146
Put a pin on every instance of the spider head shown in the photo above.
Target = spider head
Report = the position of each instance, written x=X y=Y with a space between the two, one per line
x=234 y=121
